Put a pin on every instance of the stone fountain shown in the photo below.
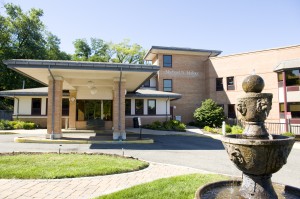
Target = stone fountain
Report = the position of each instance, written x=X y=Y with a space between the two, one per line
x=255 y=152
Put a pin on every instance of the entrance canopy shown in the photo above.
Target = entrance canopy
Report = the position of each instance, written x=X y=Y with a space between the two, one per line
x=81 y=74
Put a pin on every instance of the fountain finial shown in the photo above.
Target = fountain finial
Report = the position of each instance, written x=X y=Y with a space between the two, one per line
x=253 y=83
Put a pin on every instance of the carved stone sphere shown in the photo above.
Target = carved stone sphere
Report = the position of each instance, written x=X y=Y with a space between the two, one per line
x=253 y=83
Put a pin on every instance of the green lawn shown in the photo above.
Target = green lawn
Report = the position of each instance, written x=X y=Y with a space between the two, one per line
x=180 y=187
x=52 y=166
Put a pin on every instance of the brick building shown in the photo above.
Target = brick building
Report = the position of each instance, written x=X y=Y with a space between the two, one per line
x=85 y=95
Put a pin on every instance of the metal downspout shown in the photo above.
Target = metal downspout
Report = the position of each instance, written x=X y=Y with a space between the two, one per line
x=119 y=122
x=53 y=104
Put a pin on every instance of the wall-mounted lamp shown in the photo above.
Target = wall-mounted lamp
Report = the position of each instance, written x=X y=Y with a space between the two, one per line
x=94 y=90
x=90 y=84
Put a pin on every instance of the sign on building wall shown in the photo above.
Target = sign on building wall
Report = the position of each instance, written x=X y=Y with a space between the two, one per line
x=180 y=73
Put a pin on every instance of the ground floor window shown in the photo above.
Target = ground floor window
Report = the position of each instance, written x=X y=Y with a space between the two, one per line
x=36 y=106
x=127 y=106
x=139 y=107
x=65 y=106
x=231 y=111
x=293 y=107
x=151 y=107
x=94 y=109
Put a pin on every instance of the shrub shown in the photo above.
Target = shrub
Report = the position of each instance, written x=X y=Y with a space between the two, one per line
x=236 y=129
x=5 y=125
x=212 y=130
x=17 y=124
x=172 y=125
x=227 y=128
x=290 y=134
x=29 y=125
x=209 y=114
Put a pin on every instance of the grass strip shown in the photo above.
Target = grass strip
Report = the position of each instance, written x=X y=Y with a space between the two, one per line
x=179 y=187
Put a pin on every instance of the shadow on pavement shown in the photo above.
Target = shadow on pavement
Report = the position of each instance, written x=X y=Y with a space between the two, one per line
x=168 y=142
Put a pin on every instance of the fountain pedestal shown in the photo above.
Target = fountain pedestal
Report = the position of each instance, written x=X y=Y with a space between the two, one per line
x=255 y=152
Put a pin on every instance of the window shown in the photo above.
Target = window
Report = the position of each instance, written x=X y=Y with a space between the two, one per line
x=91 y=110
x=139 y=107
x=167 y=60
x=151 y=107
x=230 y=83
x=107 y=110
x=147 y=83
x=292 y=77
x=219 y=84
x=293 y=107
x=36 y=105
x=231 y=111
x=168 y=85
x=65 y=107
x=127 y=106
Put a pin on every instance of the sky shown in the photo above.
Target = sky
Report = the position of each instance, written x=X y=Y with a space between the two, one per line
x=232 y=26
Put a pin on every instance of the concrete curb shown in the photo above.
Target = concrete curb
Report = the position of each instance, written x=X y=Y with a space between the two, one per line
x=65 y=141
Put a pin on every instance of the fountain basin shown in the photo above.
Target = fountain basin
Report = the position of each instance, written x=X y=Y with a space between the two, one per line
x=258 y=156
x=230 y=190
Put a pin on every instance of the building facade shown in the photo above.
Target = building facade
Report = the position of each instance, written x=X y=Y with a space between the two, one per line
x=85 y=95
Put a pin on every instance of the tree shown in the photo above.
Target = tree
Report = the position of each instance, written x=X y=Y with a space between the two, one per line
x=23 y=36
x=101 y=51
x=82 y=50
x=127 y=53
x=209 y=114
x=53 y=51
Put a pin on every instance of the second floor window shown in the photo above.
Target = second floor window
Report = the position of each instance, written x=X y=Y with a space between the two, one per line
x=167 y=60
x=168 y=85
x=219 y=84
x=230 y=83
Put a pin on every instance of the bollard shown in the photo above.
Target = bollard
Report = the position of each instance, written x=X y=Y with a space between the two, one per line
x=223 y=128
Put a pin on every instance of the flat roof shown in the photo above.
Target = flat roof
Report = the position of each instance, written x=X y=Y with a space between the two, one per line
x=288 y=64
x=179 y=50
x=42 y=91
x=148 y=93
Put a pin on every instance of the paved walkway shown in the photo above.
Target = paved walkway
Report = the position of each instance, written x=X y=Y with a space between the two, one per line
x=88 y=187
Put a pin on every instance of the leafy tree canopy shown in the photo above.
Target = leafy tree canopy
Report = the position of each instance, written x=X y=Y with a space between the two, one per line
x=101 y=51
x=209 y=114
x=23 y=36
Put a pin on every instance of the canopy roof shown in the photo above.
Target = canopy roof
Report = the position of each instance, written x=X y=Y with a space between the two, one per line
x=76 y=74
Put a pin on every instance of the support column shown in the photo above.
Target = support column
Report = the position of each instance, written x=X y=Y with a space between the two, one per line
x=54 y=120
x=72 y=110
x=119 y=110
